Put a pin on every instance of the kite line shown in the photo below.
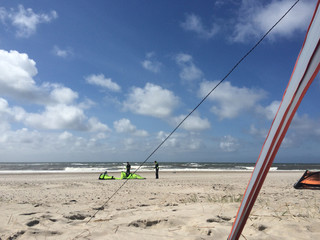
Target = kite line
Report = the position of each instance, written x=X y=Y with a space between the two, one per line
x=194 y=109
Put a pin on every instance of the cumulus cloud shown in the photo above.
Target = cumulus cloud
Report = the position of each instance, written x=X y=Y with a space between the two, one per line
x=125 y=126
x=193 y=23
x=63 y=53
x=258 y=132
x=256 y=18
x=55 y=117
x=181 y=142
x=270 y=111
x=24 y=20
x=229 y=144
x=102 y=81
x=48 y=146
x=61 y=94
x=151 y=63
x=231 y=101
x=152 y=100
x=193 y=122
x=94 y=125
x=17 y=71
x=189 y=72
x=62 y=116
x=65 y=135
x=171 y=142
x=59 y=102
x=22 y=137
x=8 y=114
x=303 y=129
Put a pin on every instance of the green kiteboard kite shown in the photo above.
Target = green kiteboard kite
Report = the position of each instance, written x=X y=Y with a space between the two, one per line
x=105 y=176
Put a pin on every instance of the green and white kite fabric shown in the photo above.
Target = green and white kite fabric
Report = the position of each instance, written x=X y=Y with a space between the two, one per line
x=105 y=176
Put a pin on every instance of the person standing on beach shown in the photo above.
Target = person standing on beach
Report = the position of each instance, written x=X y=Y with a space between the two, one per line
x=128 y=167
x=156 y=166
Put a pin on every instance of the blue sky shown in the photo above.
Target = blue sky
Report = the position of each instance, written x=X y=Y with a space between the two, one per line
x=109 y=80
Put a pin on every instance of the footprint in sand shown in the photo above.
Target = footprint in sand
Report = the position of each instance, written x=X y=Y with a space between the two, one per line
x=16 y=235
x=32 y=223
x=146 y=223
x=27 y=214
x=76 y=216
x=219 y=219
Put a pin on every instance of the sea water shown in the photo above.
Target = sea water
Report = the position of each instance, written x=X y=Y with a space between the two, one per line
x=69 y=167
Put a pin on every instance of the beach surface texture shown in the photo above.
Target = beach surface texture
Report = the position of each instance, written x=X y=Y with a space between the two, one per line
x=179 y=205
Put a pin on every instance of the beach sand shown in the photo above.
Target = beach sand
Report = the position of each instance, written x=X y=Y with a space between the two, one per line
x=189 y=205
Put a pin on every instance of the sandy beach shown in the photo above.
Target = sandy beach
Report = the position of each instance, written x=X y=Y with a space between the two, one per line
x=190 y=205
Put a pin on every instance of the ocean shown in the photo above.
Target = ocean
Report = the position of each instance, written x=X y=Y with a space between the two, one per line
x=71 y=167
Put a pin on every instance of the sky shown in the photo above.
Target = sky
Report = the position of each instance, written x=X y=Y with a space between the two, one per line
x=108 y=80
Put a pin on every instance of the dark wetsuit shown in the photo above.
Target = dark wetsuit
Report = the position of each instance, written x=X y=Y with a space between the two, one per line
x=157 y=169
x=128 y=169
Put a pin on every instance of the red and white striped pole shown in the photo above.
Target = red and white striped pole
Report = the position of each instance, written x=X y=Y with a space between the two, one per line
x=305 y=70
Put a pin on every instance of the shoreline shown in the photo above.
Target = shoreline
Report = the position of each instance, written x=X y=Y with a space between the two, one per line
x=141 y=172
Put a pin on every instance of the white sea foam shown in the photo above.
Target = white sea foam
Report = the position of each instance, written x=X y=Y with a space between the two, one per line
x=98 y=167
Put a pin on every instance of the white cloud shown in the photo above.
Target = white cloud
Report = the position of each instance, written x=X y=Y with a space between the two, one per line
x=261 y=133
x=23 y=137
x=65 y=135
x=141 y=133
x=57 y=117
x=231 y=101
x=193 y=122
x=86 y=104
x=181 y=142
x=49 y=146
x=62 y=94
x=194 y=24
x=16 y=71
x=171 y=142
x=303 y=131
x=3 y=14
x=152 y=100
x=60 y=110
x=305 y=127
x=16 y=81
x=61 y=116
x=151 y=64
x=7 y=114
x=229 y=144
x=255 y=19
x=125 y=126
x=270 y=111
x=183 y=58
x=25 y=20
x=62 y=52
x=101 y=81
x=189 y=72
x=94 y=125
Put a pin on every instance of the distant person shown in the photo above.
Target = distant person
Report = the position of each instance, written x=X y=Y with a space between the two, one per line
x=128 y=167
x=156 y=167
